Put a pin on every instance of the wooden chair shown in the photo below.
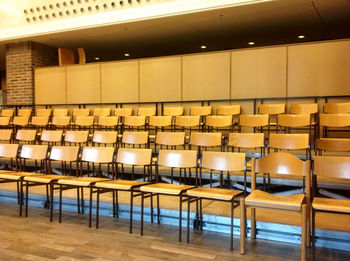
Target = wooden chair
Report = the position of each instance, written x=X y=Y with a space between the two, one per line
x=93 y=155
x=20 y=122
x=98 y=112
x=60 y=112
x=257 y=122
x=26 y=136
x=5 y=121
x=337 y=122
x=44 y=112
x=334 y=168
x=202 y=112
x=184 y=123
x=332 y=145
x=133 y=157
x=219 y=123
x=65 y=56
x=6 y=135
x=304 y=108
x=121 y=113
x=61 y=122
x=336 y=107
x=170 y=140
x=146 y=111
x=135 y=122
x=81 y=55
x=51 y=137
x=284 y=164
x=287 y=122
x=159 y=122
x=230 y=110
x=181 y=159
x=205 y=140
x=24 y=112
x=216 y=161
x=108 y=122
x=105 y=137
x=173 y=111
x=39 y=122
x=80 y=112
x=62 y=154
x=272 y=110
x=134 y=138
x=289 y=142
x=76 y=137
x=7 y=113
x=84 y=123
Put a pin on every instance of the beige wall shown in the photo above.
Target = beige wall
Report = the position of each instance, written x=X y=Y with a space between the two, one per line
x=313 y=69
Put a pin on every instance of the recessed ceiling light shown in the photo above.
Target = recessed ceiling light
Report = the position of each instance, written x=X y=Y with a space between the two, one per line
x=97 y=58
x=301 y=36
x=251 y=43
x=203 y=46
x=126 y=54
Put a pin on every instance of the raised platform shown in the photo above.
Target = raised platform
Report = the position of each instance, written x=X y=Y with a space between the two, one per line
x=333 y=230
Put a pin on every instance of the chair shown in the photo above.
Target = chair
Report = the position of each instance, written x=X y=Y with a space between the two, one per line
x=304 y=108
x=135 y=138
x=230 y=110
x=60 y=112
x=170 y=139
x=44 y=112
x=80 y=112
x=5 y=121
x=6 y=135
x=338 y=121
x=94 y=155
x=284 y=164
x=108 y=122
x=146 y=111
x=24 y=112
x=65 y=56
x=202 y=112
x=52 y=137
x=105 y=137
x=337 y=107
x=217 y=161
x=98 y=112
x=7 y=113
x=133 y=157
x=333 y=145
x=76 y=137
x=334 y=168
x=272 y=110
x=181 y=159
x=81 y=55
x=39 y=122
x=279 y=142
x=257 y=122
x=122 y=112
x=173 y=111
x=159 y=122
x=62 y=122
x=292 y=121
x=205 y=140
x=58 y=153
x=27 y=136
x=187 y=122
x=20 y=121
x=219 y=123
x=84 y=123
x=134 y=122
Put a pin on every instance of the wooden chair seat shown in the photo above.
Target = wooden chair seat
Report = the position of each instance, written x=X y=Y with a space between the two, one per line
x=330 y=204
x=44 y=178
x=12 y=175
x=81 y=181
x=119 y=184
x=264 y=199
x=214 y=193
x=170 y=189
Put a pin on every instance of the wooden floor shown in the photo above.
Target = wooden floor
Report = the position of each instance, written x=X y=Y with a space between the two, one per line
x=34 y=238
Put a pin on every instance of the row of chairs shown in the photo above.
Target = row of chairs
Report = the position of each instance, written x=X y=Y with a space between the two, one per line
x=280 y=163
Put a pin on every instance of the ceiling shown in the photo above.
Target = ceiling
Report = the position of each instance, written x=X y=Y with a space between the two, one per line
x=266 y=23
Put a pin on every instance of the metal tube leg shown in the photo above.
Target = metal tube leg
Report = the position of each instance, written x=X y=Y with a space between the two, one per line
x=188 y=219
x=82 y=201
x=117 y=204
x=180 y=217
x=90 y=207
x=26 y=209
x=97 y=206
x=242 y=226
x=231 y=237
x=113 y=196
x=253 y=223
x=158 y=210
x=201 y=214
x=60 y=205
x=131 y=209
x=51 y=202
x=78 y=200
x=151 y=208
x=21 y=198
x=142 y=201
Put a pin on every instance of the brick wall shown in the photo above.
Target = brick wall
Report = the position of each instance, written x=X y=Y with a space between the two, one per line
x=21 y=59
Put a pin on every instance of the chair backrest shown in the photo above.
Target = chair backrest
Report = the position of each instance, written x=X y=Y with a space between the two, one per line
x=246 y=140
x=135 y=121
x=289 y=141
x=135 y=137
x=139 y=157
x=64 y=153
x=335 y=120
x=146 y=111
x=187 y=121
x=160 y=121
x=332 y=167
x=40 y=120
x=43 y=112
x=108 y=121
x=170 y=138
x=218 y=121
x=51 y=135
x=293 y=120
x=84 y=121
x=34 y=152
x=123 y=112
x=98 y=154
x=200 y=110
x=60 y=112
x=4 y=121
x=81 y=112
x=333 y=144
x=178 y=158
x=81 y=55
x=76 y=136
x=8 y=150
x=7 y=112
x=5 y=134
x=272 y=108
x=336 y=107
x=20 y=120
x=173 y=111
x=223 y=161
x=105 y=137
x=254 y=120
x=26 y=135
x=102 y=112
x=306 y=108
x=206 y=139
x=24 y=112
x=229 y=110
x=61 y=121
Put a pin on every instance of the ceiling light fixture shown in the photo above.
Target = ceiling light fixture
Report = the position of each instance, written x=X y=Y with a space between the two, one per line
x=301 y=36
x=127 y=54
x=251 y=43
x=97 y=58
x=203 y=46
